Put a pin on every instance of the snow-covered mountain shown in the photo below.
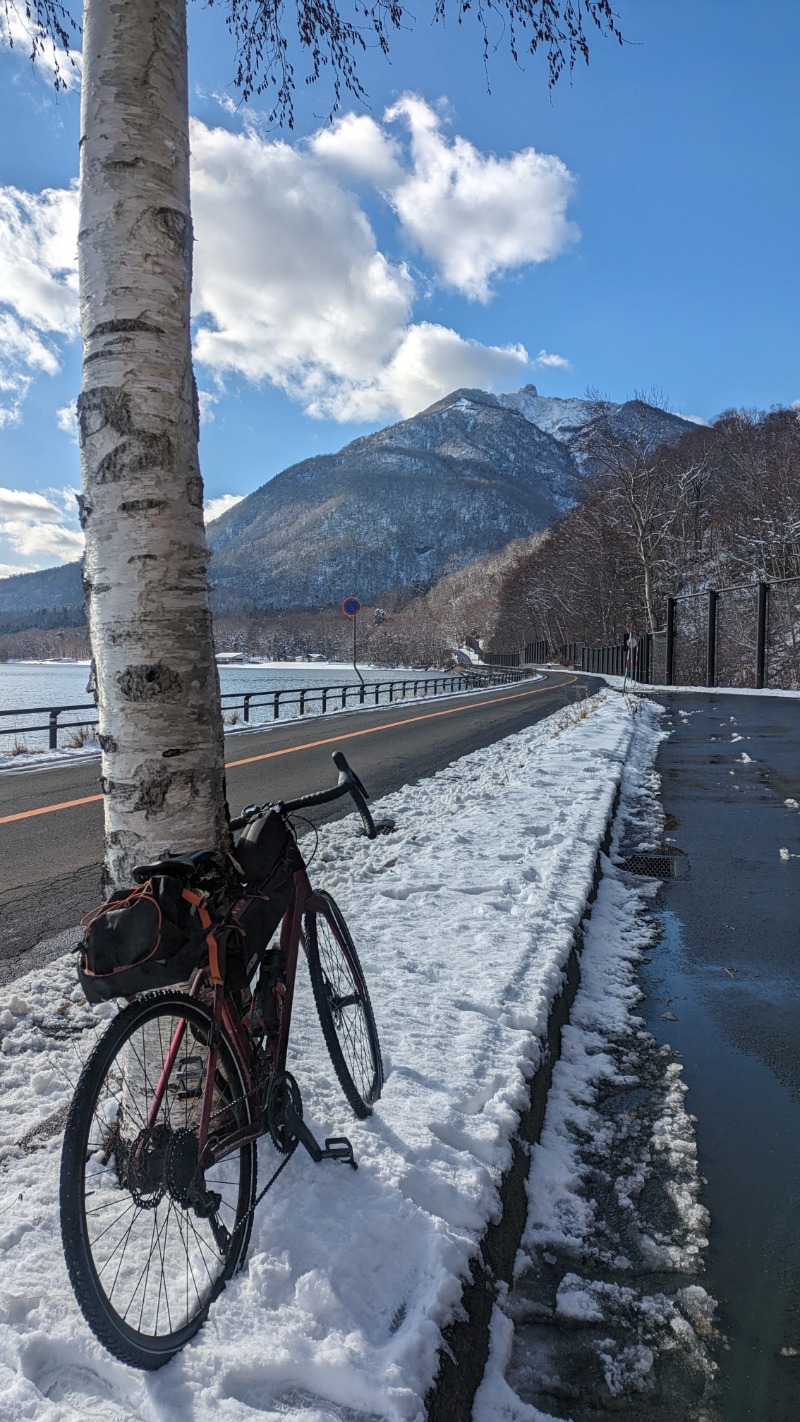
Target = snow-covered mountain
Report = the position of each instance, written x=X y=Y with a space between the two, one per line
x=406 y=504
x=412 y=501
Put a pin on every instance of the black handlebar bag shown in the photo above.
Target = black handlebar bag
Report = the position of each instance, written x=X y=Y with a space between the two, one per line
x=150 y=936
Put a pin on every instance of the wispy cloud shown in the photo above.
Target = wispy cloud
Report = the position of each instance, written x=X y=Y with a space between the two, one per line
x=31 y=41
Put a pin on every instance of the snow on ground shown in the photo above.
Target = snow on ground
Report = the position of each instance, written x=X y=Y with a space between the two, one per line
x=621 y=683
x=464 y=918
x=607 y=1309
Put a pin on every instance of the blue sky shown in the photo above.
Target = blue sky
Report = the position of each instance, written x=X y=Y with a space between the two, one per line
x=635 y=229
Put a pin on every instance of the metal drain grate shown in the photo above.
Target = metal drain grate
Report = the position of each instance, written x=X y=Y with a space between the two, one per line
x=652 y=866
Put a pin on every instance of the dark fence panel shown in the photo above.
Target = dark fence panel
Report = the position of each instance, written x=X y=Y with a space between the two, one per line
x=736 y=636
x=782 y=649
x=501 y=659
x=536 y=651
x=744 y=636
x=690 y=648
x=619 y=660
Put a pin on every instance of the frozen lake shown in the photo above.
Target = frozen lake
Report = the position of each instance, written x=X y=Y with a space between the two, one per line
x=58 y=684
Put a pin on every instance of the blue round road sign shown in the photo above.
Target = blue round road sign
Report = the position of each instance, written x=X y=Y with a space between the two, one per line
x=351 y=606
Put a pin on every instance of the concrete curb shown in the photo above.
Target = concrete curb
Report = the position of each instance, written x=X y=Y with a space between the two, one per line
x=465 y=1347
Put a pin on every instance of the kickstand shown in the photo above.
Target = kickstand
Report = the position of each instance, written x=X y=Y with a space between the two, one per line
x=336 y=1147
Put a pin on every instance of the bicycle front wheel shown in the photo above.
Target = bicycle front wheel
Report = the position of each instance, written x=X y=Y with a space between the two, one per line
x=152 y=1234
x=343 y=1004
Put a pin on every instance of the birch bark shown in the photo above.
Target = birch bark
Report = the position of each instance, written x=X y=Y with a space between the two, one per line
x=142 y=504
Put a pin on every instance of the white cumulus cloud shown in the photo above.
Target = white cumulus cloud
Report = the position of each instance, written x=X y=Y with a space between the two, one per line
x=473 y=215
x=38 y=288
x=36 y=529
x=213 y=508
x=291 y=285
x=289 y=282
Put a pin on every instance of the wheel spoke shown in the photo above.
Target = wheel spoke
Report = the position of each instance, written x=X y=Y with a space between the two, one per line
x=144 y=1283
x=344 y=1008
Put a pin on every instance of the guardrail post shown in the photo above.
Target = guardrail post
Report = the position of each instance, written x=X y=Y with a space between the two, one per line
x=53 y=719
x=377 y=693
x=761 y=634
x=711 y=639
x=669 y=656
x=324 y=699
x=246 y=707
x=361 y=694
x=344 y=697
x=302 y=710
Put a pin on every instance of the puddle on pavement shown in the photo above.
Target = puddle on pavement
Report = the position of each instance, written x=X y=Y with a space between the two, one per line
x=748 y=1137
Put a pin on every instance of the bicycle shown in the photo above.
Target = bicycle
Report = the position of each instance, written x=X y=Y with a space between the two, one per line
x=159 y=1164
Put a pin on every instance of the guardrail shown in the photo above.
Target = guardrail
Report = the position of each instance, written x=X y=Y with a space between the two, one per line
x=267 y=707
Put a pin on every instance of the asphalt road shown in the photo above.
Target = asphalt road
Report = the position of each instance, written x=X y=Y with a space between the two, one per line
x=51 y=820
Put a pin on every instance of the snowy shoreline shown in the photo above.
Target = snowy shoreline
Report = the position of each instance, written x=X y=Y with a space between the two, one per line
x=465 y=918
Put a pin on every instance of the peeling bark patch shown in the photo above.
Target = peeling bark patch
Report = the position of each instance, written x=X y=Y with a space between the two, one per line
x=175 y=225
x=167 y=754
x=152 y=792
x=141 y=505
x=107 y=743
x=149 y=681
x=194 y=490
x=133 y=456
x=116 y=328
x=84 y=510
x=102 y=406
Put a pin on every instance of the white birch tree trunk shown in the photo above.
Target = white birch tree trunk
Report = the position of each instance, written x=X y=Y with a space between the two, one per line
x=146 y=557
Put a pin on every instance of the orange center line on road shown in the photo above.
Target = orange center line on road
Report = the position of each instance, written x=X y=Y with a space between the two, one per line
x=309 y=745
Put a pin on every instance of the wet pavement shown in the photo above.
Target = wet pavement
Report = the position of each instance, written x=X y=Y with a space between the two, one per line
x=724 y=990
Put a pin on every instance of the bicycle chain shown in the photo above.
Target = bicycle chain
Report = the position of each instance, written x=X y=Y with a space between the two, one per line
x=227 y=1106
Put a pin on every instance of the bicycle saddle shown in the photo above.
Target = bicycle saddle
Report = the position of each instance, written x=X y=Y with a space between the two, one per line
x=180 y=866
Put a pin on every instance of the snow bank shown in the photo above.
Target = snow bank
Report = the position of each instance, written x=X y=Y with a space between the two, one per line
x=464 y=918
x=617 y=1296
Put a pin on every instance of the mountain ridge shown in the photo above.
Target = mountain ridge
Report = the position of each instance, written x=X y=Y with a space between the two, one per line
x=399 y=507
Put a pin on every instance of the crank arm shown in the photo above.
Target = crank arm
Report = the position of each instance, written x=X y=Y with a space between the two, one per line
x=336 y=1147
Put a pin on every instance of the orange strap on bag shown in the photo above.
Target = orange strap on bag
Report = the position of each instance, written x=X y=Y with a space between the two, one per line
x=205 y=920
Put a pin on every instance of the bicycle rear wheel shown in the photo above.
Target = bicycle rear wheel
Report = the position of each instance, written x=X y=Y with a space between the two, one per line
x=343 y=1004
x=150 y=1235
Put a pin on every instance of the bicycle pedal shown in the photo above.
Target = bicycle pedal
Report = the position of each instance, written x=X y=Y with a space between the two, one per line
x=339 y=1148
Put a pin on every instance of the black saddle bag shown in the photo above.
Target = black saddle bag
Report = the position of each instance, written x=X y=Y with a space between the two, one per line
x=150 y=936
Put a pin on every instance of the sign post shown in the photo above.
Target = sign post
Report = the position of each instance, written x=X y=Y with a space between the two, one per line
x=351 y=608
